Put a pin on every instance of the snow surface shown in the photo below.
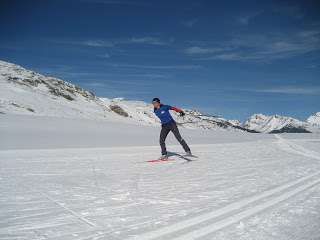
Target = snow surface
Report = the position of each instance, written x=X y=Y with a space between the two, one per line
x=72 y=168
x=314 y=119
x=84 y=179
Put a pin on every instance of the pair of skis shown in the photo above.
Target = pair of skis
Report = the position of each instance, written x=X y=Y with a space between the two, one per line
x=170 y=158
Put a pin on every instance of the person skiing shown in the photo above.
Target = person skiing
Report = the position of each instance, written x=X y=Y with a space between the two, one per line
x=168 y=124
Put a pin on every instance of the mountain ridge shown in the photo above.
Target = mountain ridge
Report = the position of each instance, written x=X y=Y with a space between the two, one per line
x=27 y=92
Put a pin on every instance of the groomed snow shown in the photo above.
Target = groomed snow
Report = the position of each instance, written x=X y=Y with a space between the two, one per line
x=83 y=179
x=25 y=132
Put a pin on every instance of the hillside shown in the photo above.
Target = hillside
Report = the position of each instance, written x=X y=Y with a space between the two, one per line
x=27 y=92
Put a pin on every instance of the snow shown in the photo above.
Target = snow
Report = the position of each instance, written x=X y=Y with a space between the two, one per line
x=55 y=132
x=314 y=119
x=73 y=168
x=29 y=93
x=266 y=124
x=89 y=179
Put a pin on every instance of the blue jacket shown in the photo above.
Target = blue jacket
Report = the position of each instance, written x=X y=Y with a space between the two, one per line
x=163 y=113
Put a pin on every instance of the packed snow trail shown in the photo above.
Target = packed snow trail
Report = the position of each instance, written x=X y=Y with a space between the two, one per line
x=296 y=149
x=269 y=186
x=234 y=218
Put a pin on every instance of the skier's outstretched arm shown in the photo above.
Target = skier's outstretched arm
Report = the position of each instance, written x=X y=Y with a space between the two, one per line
x=178 y=110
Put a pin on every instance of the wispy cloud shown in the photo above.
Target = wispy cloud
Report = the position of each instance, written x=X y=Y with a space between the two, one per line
x=105 y=55
x=167 y=67
x=189 y=23
x=196 y=50
x=110 y=43
x=246 y=18
x=313 y=66
x=55 y=69
x=148 y=4
x=134 y=75
x=95 y=84
x=97 y=43
x=118 y=2
x=87 y=43
x=288 y=89
x=292 y=10
x=149 y=40
x=263 y=47
x=292 y=90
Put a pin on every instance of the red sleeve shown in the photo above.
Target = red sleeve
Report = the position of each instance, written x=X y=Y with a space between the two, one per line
x=176 y=109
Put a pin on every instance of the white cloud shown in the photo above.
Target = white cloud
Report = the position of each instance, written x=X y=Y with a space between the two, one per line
x=294 y=11
x=246 y=18
x=135 y=75
x=263 y=47
x=118 y=2
x=88 y=43
x=94 y=84
x=195 y=50
x=168 y=67
x=150 y=40
x=106 y=55
x=292 y=90
x=109 y=43
x=315 y=65
x=229 y=57
x=98 y=43
x=189 y=23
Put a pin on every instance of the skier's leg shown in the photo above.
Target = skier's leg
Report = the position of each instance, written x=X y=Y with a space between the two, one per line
x=177 y=134
x=163 y=135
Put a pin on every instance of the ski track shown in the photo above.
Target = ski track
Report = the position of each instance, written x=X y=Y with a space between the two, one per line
x=70 y=211
x=291 y=147
x=242 y=213
x=232 y=218
x=246 y=213
x=199 y=226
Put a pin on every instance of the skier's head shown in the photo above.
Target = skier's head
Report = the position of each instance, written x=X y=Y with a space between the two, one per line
x=156 y=102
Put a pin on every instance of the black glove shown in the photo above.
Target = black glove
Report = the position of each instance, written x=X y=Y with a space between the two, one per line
x=182 y=114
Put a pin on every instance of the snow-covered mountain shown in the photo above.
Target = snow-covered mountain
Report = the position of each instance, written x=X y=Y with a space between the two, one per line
x=26 y=92
x=314 y=119
x=276 y=124
x=142 y=112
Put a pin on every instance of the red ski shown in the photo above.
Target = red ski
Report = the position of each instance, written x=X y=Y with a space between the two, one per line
x=160 y=160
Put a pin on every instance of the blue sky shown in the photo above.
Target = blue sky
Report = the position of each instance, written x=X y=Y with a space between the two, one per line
x=228 y=58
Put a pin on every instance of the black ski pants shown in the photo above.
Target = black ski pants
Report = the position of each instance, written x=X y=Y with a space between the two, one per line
x=166 y=128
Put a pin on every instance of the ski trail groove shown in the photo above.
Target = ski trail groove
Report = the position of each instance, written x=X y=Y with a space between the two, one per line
x=232 y=219
x=227 y=209
x=296 y=149
x=73 y=213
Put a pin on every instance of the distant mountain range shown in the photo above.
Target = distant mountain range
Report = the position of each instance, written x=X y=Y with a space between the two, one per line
x=281 y=124
x=26 y=92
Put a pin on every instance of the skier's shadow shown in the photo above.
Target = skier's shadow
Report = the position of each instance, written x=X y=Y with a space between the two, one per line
x=170 y=154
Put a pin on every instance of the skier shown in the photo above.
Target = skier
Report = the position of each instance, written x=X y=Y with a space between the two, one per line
x=168 y=124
